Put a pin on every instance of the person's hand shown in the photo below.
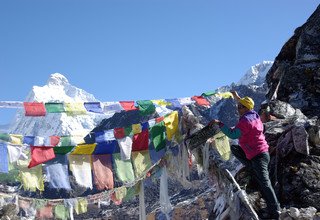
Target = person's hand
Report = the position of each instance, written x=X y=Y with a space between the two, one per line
x=235 y=95
x=214 y=122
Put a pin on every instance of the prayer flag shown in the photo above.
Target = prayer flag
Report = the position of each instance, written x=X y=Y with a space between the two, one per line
x=54 y=140
x=144 y=126
x=124 y=170
x=119 y=133
x=29 y=140
x=151 y=122
x=140 y=141
x=45 y=212
x=155 y=156
x=128 y=130
x=61 y=212
x=62 y=149
x=146 y=107
x=159 y=119
x=14 y=152
x=112 y=107
x=107 y=147
x=5 y=137
x=34 y=109
x=128 y=105
x=39 y=141
x=32 y=179
x=136 y=128
x=172 y=125
x=125 y=147
x=158 y=136
x=225 y=95
x=201 y=101
x=75 y=108
x=53 y=107
x=93 y=107
x=57 y=173
x=102 y=171
x=161 y=102
x=80 y=166
x=40 y=155
x=185 y=101
x=84 y=149
x=81 y=206
x=222 y=145
x=16 y=139
x=175 y=104
x=4 y=168
x=210 y=93
x=141 y=162
x=102 y=136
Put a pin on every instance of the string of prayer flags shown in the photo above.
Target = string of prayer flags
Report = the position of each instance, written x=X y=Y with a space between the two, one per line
x=80 y=166
x=172 y=125
x=75 y=108
x=128 y=105
x=158 y=136
x=141 y=162
x=123 y=168
x=4 y=168
x=57 y=173
x=94 y=107
x=84 y=149
x=146 y=107
x=102 y=171
x=140 y=141
x=34 y=109
x=53 y=107
x=200 y=101
x=40 y=155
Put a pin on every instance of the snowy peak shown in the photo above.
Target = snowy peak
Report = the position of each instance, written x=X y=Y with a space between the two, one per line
x=57 y=79
x=58 y=89
x=256 y=74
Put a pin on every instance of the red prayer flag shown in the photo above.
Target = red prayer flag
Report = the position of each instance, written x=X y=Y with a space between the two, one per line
x=40 y=155
x=54 y=140
x=200 y=100
x=140 y=141
x=119 y=133
x=34 y=109
x=102 y=171
x=128 y=105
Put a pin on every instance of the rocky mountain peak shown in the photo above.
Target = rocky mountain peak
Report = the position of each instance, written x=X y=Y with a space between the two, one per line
x=256 y=74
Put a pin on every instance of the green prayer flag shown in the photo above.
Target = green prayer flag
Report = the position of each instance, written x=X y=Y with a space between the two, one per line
x=146 y=107
x=61 y=212
x=5 y=137
x=63 y=149
x=128 y=130
x=124 y=170
x=53 y=107
x=206 y=94
x=65 y=141
x=158 y=135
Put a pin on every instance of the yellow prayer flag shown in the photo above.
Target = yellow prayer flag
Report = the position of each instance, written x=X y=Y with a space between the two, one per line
x=161 y=102
x=75 y=108
x=16 y=139
x=120 y=192
x=136 y=128
x=32 y=179
x=84 y=149
x=225 y=95
x=172 y=124
x=222 y=145
x=141 y=162
x=81 y=206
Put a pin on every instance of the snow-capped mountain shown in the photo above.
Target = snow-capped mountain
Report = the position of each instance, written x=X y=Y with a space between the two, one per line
x=256 y=74
x=57 y=89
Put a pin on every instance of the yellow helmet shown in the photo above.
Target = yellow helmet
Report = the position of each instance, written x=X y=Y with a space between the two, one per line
x=247 y=102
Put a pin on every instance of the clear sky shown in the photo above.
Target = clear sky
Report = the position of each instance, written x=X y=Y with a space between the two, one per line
x=139 y=49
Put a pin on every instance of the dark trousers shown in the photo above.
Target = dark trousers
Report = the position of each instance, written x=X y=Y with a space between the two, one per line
x=258 y=167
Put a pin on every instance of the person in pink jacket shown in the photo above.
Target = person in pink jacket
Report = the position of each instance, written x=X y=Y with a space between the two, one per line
x=253 y=150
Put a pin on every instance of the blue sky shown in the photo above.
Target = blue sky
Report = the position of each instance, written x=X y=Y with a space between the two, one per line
x=139 y=49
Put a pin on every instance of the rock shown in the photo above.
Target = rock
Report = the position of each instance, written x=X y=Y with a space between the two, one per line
x=294 y=212
x=300 y=140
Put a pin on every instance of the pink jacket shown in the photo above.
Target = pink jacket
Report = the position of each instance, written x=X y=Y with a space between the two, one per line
x=252 y=139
